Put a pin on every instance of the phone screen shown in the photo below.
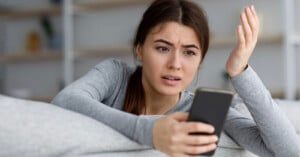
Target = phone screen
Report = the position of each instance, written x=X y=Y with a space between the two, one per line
x=210 y=106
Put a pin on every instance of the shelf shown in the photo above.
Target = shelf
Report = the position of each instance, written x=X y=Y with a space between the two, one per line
x=100 y=52
x=226 y=41
x=216 y=42
x=78 y=7
x=279 y=93
x=53 y=55
x=22 y=57
x=36 y=12
x=84 y=6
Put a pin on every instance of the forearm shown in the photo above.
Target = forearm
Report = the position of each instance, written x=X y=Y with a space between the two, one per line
x=275 y=130
x=137 y=128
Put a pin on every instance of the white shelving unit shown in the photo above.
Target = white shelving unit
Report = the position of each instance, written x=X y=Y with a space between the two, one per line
x=68 y=71
x=290 y=42
x=70 y=55
x=216 y=41
x=70 y=9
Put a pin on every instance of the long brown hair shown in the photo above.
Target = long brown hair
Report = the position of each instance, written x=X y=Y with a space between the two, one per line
x=184 y=12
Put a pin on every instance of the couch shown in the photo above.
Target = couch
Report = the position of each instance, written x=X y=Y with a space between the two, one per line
x=39 y=129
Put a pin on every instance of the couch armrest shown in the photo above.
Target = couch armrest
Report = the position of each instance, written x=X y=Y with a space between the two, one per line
x=292 y=110
x=227 y=147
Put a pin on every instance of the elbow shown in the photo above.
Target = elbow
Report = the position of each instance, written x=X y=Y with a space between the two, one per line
x=63 y=99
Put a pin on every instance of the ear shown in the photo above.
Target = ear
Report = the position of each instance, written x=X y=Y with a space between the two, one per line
x=139 y=53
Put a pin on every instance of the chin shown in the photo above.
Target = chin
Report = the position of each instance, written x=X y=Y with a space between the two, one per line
x=170 y=91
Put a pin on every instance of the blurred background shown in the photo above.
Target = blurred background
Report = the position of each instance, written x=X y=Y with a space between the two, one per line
x=47 y=44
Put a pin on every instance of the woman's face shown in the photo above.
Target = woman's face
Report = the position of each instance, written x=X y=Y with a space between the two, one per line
x=170 y=57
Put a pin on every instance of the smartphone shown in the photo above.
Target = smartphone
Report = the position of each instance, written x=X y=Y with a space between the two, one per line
x=210 y=106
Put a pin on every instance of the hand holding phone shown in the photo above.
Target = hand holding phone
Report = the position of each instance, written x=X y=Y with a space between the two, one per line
x=210 y=106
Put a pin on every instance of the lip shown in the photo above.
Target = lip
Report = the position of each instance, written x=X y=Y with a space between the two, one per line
x=171 y=80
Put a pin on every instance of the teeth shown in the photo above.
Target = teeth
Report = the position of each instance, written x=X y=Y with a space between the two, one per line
x=171 y=78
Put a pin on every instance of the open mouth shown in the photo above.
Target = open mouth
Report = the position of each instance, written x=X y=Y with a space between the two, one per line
x=171 y=78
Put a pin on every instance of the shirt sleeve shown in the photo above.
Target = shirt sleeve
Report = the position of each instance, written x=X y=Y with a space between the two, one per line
x=269 y=133
x=87 y=94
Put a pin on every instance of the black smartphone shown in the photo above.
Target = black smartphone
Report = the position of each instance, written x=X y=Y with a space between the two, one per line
x=210 y=106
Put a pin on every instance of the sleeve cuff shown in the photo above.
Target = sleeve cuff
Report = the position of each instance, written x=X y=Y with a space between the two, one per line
x=143 y=130
x=250 y=87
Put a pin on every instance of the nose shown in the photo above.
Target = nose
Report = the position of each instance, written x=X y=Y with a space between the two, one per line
x=175 y=61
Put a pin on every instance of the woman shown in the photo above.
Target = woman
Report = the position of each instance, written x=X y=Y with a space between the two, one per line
x=171 y=42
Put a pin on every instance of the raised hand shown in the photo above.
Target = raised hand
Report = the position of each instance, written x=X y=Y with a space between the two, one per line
x=171 y=136
x=247 y=33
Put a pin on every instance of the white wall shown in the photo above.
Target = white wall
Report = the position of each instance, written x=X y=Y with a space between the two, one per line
x=117 y=26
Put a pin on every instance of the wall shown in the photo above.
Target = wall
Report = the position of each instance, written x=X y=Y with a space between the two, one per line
x=116 y=27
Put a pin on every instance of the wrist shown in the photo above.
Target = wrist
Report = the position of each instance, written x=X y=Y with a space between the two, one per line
x=236 y=71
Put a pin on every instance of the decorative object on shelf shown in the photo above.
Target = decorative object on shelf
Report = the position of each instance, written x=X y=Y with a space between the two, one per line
x=47 y=26
x=33 y=42
x=226 y=80
x=54 y=40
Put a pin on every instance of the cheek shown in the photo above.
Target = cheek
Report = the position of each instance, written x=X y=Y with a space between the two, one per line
x=153 y=60
x=192 y=73
x=191 y=70
x=151 y=66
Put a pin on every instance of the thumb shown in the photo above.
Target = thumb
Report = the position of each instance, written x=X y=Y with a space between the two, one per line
x=179 y=116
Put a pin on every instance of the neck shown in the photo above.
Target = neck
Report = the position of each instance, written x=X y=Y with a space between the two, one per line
x=158 y=104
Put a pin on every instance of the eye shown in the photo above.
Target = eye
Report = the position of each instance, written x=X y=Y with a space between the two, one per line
x=190 y=53
x=162 y=49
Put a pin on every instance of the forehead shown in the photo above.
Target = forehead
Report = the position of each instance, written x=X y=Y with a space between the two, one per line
x=175 y=33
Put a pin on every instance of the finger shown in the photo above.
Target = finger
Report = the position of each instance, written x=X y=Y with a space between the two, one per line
x=254 y=14
x=246 y=28
x=197 y=140
x=195 y=150
x=179 y=116
x=190 y=127
x=252 y=8
x=252 y=21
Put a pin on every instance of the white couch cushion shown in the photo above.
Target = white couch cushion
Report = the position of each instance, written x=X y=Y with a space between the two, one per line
x=292 y=110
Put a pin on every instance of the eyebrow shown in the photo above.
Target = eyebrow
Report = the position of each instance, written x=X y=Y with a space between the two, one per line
x=171 y=44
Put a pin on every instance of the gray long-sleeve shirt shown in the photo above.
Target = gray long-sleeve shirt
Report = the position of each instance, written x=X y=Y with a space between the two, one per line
x=100 y=94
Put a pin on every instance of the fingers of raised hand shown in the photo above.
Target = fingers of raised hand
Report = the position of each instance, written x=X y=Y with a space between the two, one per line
x=250 y=25
x=246 y=28
x=253 y=20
